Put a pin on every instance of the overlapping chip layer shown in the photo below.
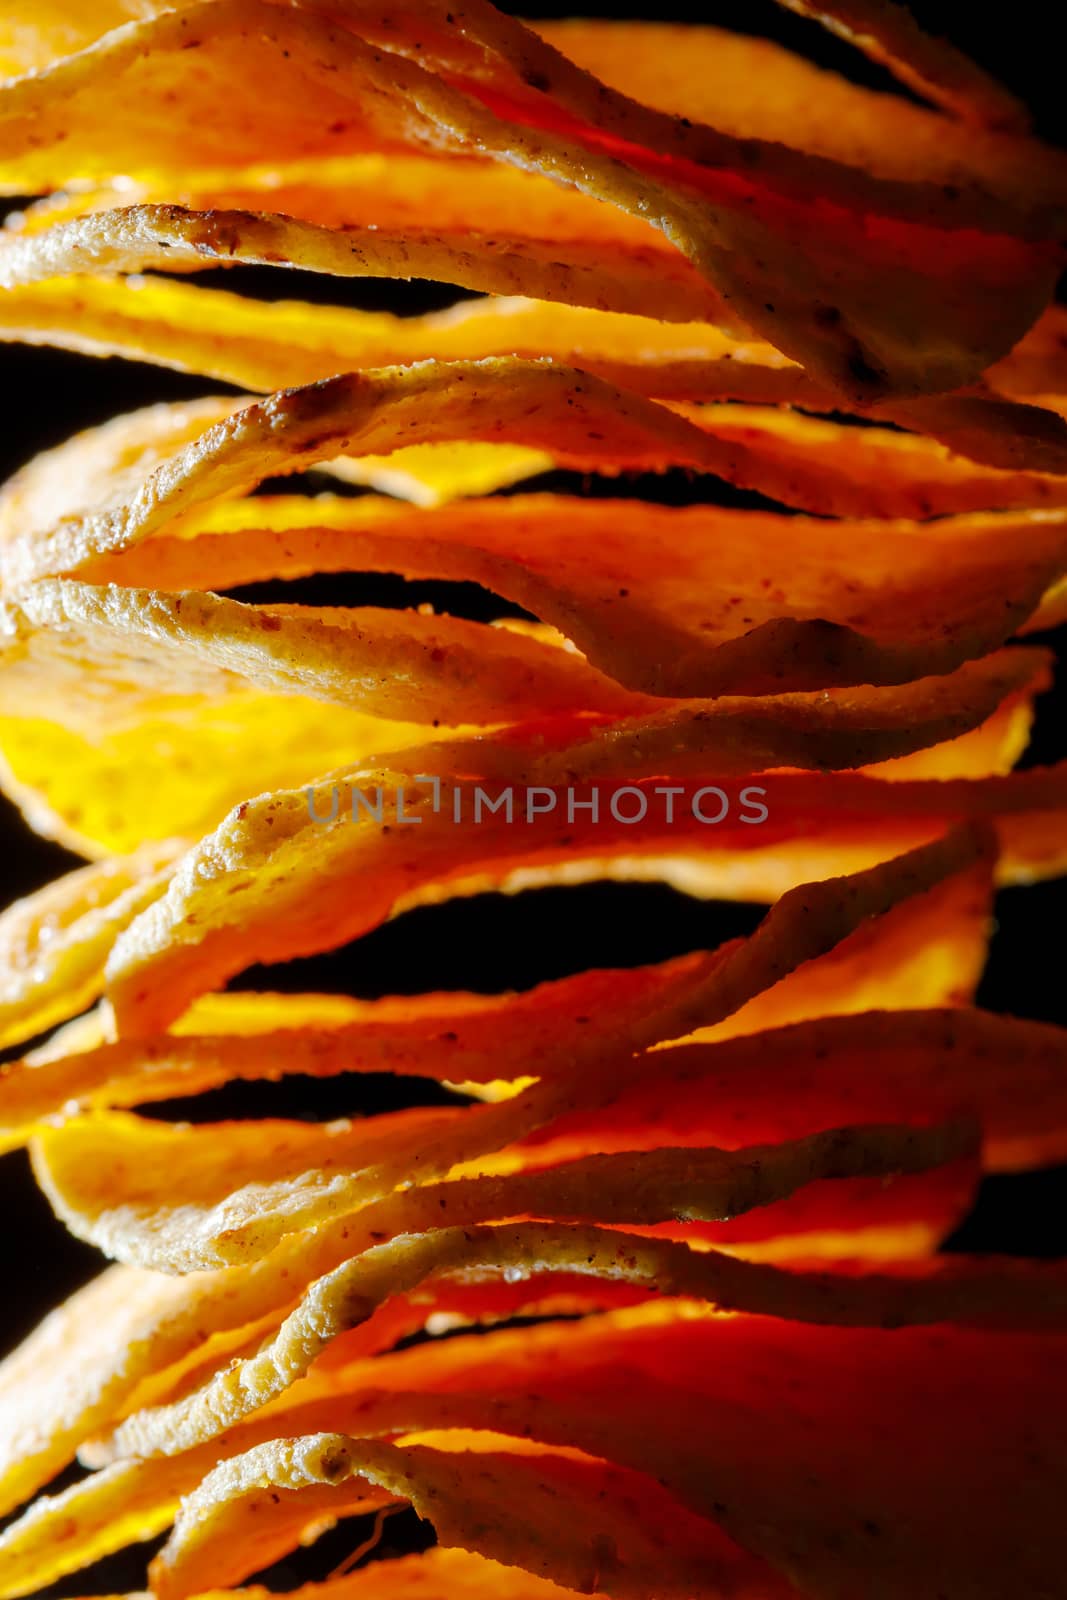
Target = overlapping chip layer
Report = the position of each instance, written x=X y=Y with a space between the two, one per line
x=682 y=1220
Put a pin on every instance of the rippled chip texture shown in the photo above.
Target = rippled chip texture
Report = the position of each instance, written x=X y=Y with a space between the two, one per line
x=681 y=1222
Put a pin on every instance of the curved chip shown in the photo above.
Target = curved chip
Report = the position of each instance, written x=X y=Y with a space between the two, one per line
x=412 y=1390
x=998 y=1292
x=720 y=1183
x=695 y=1386
x=824 y=823
x=890 y=35
x=929 y=949
x=469 y=1039
x=270 y=346
x=580 y=420
x=101 y=790
x=936 y=1063
x=54 y=943
x=888 y=323
x=283 y=858
x=420 y=668
x=869 y=1066
x=171 y=238
x=442 y=1384
x=804 y=926
x=91 y=1348
x=177 y=767
x=239 y=1196
x=571 y=1519
x=80 y=652
x=346 y=1376
x=667 y=600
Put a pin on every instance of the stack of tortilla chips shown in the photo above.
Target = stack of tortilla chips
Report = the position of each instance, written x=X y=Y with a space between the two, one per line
x=681 y=1220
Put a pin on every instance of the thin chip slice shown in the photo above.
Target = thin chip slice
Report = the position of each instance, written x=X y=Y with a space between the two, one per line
x=418 y=668
x=333 y=1369
x=178 y=767
x=175 y=770
x=90 y=1347
x=442 y=1384
x=711 y=1456
x=580 y=420
x=840 y=470
x=891 y=324
x=149 y=1226
x=765 y=1427
x=32 y=1552
x=692 y=1388
x=932 y=1063
x=295 y=872
x=54 y=943
x=437 y=1574
x=103 y=657
x=460 y=1038
x=870 y=1066
x=246 y=1187
x=929 y=950
x=267 y=347
x=822 y=824
x=667 y=600
x=889 y=34
x=170 y=238
x=446 y=1384
x=755 y=88
x=576 y=1521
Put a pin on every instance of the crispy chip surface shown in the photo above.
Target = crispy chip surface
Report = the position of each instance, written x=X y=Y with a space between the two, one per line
x=634 y=1282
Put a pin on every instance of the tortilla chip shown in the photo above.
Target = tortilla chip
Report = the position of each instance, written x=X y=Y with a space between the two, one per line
x=89 y=1347
x=754 y=88
x=570 y=1519
x=440 y=1384
x=1003 y=1293
x=832 y=822
x=344 y=1374
x=890 y=35
x=266 y=347
x=532 y=403
x=578 y=419
x=840 y=470
x=700 y=1383
x=176 y=769
x=883 y=1222
x=53 y=943
x=101 y=467
x=861 y=302
x=1036 y=364
x=259 y=1401
x=282 y=857
x=460 y=1038
x=869 y=1067
x=246 y=1186
x=927 y=950
x=836 y=730
x=693 y=1388
x=666 y=600
x=81 y=655
x=170 y=238
x=803 y=926
x=936 y=1062
x=437 y=1574
x=418 y=667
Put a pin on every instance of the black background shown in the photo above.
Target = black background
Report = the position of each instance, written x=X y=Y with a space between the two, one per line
x=493 y=943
